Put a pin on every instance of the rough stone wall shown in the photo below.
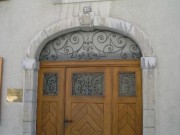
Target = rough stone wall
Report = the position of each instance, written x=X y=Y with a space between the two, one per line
x=21 y=20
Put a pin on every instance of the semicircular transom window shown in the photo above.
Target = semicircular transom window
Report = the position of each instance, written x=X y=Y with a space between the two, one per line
x=96 y=45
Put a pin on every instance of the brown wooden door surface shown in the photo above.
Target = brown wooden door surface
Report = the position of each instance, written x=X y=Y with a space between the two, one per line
x=127 y=101
x=90 y=112
x=50 y=112
x=88 y=100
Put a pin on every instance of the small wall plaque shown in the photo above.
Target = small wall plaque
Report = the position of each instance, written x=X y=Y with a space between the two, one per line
x=14 y=95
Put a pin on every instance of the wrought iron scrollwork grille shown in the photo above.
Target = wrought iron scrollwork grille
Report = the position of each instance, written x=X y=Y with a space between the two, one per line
x=90 y=45
x=50 y=85
x=88 y=84
x=127 y=84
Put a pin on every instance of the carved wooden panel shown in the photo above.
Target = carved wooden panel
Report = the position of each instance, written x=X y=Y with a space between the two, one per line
x=49 y=118
x=127 y=119
x=88 y=119
x=90 y=115
x=110 y=114
x=127 y=108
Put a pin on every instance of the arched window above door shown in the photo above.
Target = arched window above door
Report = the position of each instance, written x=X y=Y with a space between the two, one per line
x=96 y=45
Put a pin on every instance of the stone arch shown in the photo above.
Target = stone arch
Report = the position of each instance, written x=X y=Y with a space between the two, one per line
x=31 y=66
x=105 y=23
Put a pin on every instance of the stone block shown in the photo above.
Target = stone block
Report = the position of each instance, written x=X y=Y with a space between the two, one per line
x=149 y=86
x=30 y=96
x=149 y=118
x=149 y=99
x=19 y=134
x=77 y=1
x=142 y=40
x=149 y=131
x=29 y=112
x=30 y=81
x=149 y=78
x=34 y=44
x=29 y=127
x=31 y=133
x=62 y=27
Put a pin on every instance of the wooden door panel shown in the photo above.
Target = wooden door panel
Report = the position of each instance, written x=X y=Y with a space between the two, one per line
x=50 y=120
x=127 y=109
x=90 y=114
x=127 y=119
x=89 y=119
x=111 y=112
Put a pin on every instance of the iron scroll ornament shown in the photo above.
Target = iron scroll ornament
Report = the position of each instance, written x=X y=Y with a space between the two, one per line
x=50 y=85
x=88 y=84
x=127 y=84
x=90 y=45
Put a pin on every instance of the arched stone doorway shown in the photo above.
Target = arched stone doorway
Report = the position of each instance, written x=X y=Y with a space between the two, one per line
x=90 y=83
x=31 y=66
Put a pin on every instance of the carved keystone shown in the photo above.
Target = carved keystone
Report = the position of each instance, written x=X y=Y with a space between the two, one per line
x=86 y=19
x=86 y=9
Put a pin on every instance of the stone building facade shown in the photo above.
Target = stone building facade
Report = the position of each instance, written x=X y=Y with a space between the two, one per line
x=27 y=26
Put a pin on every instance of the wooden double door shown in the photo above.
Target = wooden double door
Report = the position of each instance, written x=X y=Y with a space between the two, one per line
x=89 y=98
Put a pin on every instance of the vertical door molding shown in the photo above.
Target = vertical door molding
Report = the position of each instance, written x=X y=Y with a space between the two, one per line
x=73 y=24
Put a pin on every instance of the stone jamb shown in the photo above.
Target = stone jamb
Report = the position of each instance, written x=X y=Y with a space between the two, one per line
x=106 y=23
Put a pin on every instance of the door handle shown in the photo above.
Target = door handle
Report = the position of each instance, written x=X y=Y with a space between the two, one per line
x=66 y=122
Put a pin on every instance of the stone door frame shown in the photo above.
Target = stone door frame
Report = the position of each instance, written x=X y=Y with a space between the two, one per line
x=31 y=66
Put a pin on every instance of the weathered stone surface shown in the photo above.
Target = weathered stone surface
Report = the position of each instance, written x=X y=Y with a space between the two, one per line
x=148 y=62
x=30 y=96
x=149 y=118
x=148 y=131
x=30 y=64
x=29 y=127
x=78 y=1
x=29 y=113
x=30 y=80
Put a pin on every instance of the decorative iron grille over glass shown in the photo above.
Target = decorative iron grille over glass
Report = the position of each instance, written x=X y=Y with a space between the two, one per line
x=90 y=45
x=50 y=84
x=88 y=84
x=127 y=84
